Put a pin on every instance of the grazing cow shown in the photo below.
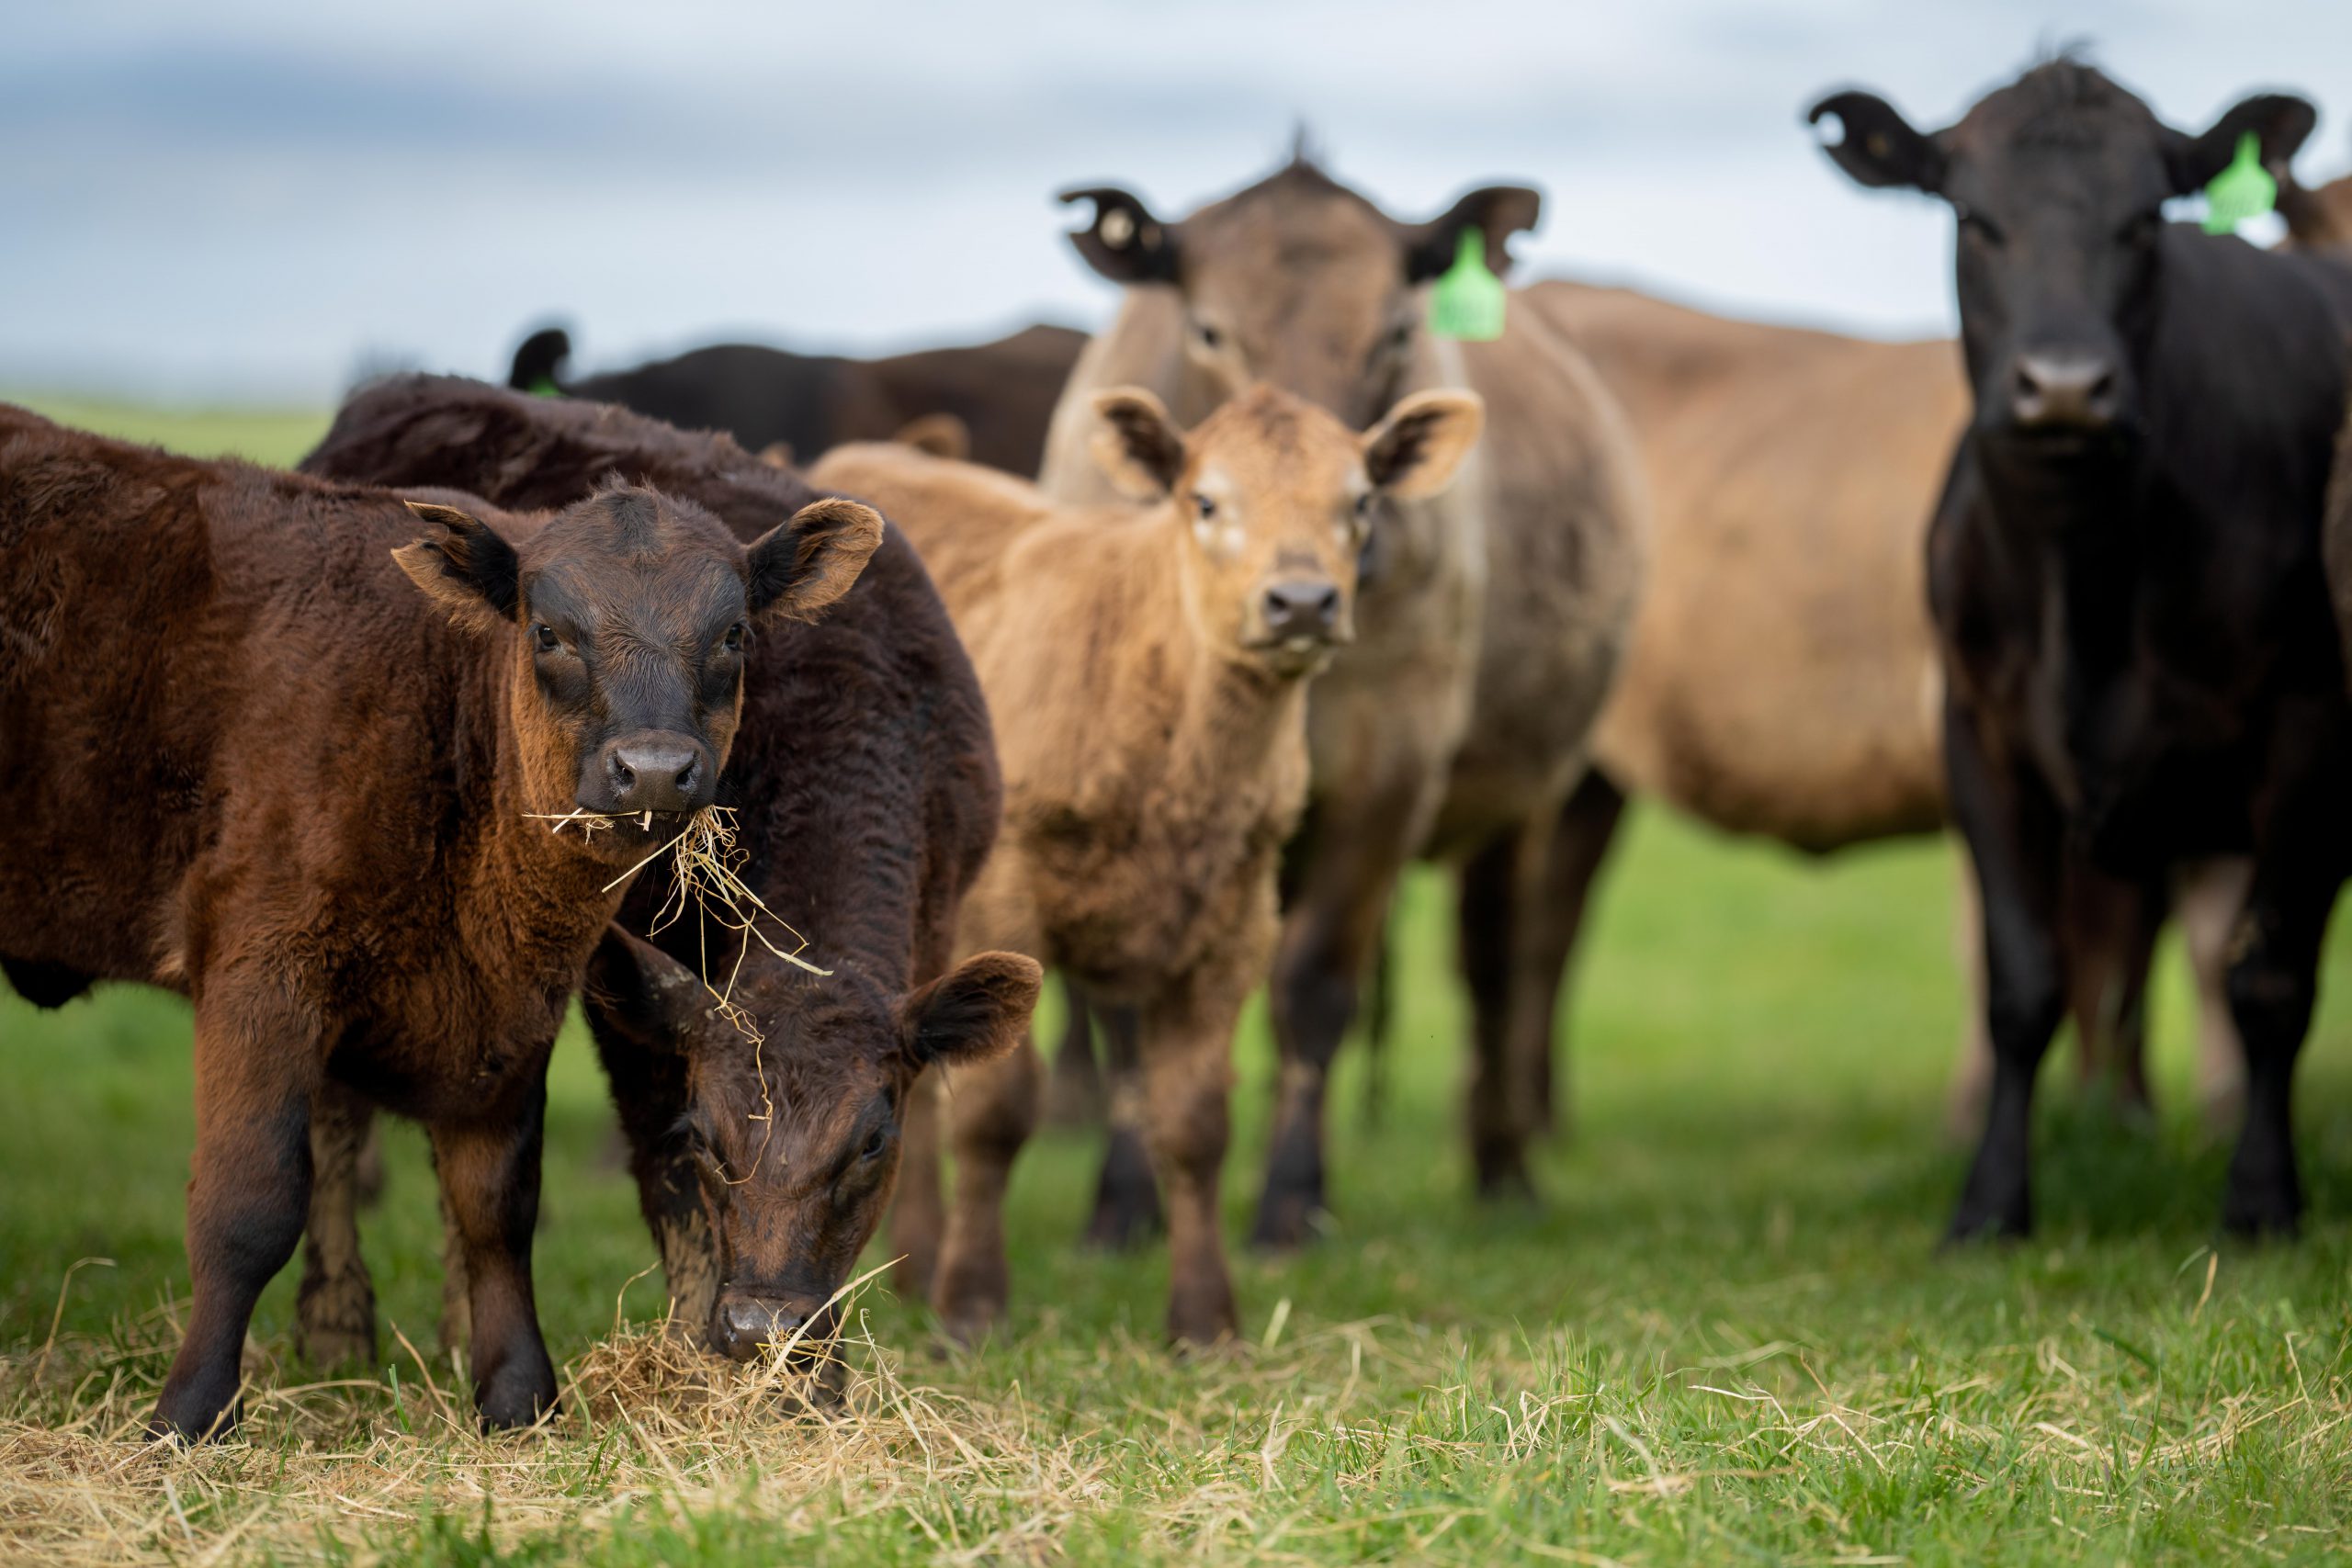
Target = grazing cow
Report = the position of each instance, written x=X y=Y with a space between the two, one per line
x=2125 y=571
x=994 y=398
x=248 y=761
x=864 y=783
x=1493 y=615
x=1782 y=677
x=1148 y=672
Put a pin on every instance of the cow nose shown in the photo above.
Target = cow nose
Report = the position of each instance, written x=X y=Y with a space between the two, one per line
x=654 y=773
x=1302 y=607
x=2062 y=391
x=745 y=1326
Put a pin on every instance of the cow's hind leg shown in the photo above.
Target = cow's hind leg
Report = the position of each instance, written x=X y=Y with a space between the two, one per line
x=992 y=1111
x=334 y=1310
x=1126 y=1198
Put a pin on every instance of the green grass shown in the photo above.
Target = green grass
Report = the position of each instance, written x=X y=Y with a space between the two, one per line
x=1728 y=1334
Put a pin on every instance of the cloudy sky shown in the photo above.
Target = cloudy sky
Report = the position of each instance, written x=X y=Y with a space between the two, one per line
x=240 y=200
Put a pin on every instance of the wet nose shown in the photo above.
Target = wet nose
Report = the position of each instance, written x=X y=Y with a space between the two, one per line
x=2062 y=391
x=1302 y=607
x=745 y=1326
x=654 y=771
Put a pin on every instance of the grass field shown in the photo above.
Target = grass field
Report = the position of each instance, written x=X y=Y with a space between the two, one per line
x=1726 y=1336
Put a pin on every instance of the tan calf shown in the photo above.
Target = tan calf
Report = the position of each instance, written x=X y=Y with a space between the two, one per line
x=1147 y=667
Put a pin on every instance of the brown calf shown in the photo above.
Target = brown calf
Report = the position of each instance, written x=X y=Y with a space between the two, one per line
x=1493 y=615
x=249 y=762
x=864 y=779
x=1148 y=672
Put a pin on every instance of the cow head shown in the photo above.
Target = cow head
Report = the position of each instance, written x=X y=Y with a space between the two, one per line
x=793 y=1138
x=628 y=613
x=2059 y=182
x=1299 y=280
x=1274 y=498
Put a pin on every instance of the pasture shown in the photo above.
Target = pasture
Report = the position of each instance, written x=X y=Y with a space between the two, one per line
x=1726 y=1336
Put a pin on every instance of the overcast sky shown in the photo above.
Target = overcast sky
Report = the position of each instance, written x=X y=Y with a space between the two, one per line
x=241 y=200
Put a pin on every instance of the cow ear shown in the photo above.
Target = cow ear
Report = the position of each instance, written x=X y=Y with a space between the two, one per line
x=636 y=991
x=1496 y=211
x=1126 y=243
x=1136 y=442
x=803 y=564
x=1417 y=450
x=940 y=434
x=464 y=566
x=2280 y=122
x=1876 y=146
x=976 y=1012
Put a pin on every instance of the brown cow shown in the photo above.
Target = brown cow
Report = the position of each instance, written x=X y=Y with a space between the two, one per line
x=1782 y=678
x=1493 y=615
x=248 y=762
x=865 y=785
x=995 y=398
x=2318 y=218
x=1148 y=673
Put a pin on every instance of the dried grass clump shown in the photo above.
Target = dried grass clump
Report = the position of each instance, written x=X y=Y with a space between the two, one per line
x=649 y=1425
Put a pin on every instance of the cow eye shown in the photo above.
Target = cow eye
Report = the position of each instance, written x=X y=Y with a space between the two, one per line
x=878 y=1140
x=1204 y=506
x=543 y=637
x=1209 y=336
x=1364 y=505
x=1400 y=336
x=735 y=637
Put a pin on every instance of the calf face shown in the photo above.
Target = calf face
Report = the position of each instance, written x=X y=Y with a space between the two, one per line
x=1299 y=280
x=1276 y=497
x=2059 y=182
x=631 y=613
x=796 y=1144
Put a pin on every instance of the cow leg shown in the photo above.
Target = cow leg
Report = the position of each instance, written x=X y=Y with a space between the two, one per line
x=2273 y=981
x=1074 y=1094
x=992 y=1110
x=1500 y=1119
x=2108 y=927
x=2209 y=898
x=2014 y=835
x=1566 y=871
x=1344 y=879
x=917 y=1219
x=334 y=1310
x=1188 y=1075
x=248 y=1188
x=1972 y=1085
x=649 y=1090
x=1379 y=1023
x=489 y=1182
x=1126 y=1199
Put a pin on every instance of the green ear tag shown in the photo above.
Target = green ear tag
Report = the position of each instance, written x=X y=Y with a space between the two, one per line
x=1467 y=301
x=2243 y=190
x=544 y=387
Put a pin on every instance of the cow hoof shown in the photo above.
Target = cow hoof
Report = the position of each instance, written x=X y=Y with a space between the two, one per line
x=326 y=1348
x=2270 y=1216
x=1972 y=1226
x=517 y=1398
x=1286 y=1224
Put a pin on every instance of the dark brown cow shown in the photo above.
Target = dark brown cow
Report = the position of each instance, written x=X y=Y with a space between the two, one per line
x=995 y=399
x=866 y=783
x=248 y=761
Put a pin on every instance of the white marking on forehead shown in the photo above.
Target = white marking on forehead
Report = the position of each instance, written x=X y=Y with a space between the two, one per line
x=1117 y=228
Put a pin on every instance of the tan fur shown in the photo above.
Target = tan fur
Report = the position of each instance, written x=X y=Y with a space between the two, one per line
x=1154 y=758
x=1493 y=618
x=2319 y=219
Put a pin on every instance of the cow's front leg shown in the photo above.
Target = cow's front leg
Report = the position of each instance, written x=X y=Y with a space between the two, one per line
x=490 y=1181
x=248 y=1190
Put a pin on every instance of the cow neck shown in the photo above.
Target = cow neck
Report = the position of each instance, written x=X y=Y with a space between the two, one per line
x=536 y=895
x=1231 y=715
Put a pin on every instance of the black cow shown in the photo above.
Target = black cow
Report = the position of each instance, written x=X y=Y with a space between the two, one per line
x=2125 y=573
x=989 y=401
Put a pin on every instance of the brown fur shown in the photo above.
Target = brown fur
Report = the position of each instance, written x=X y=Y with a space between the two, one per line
x=251 y=763
x=1155 y=758
x=866 y=789
x=2318 y=218
x=1494 y=615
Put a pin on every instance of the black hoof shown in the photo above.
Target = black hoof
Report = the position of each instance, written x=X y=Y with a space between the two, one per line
x=189 y=1422
x=517 y=1398
x=2265 y=1217
x=1122 y=1226
x=1286 y=1223
x=1972 y=1226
